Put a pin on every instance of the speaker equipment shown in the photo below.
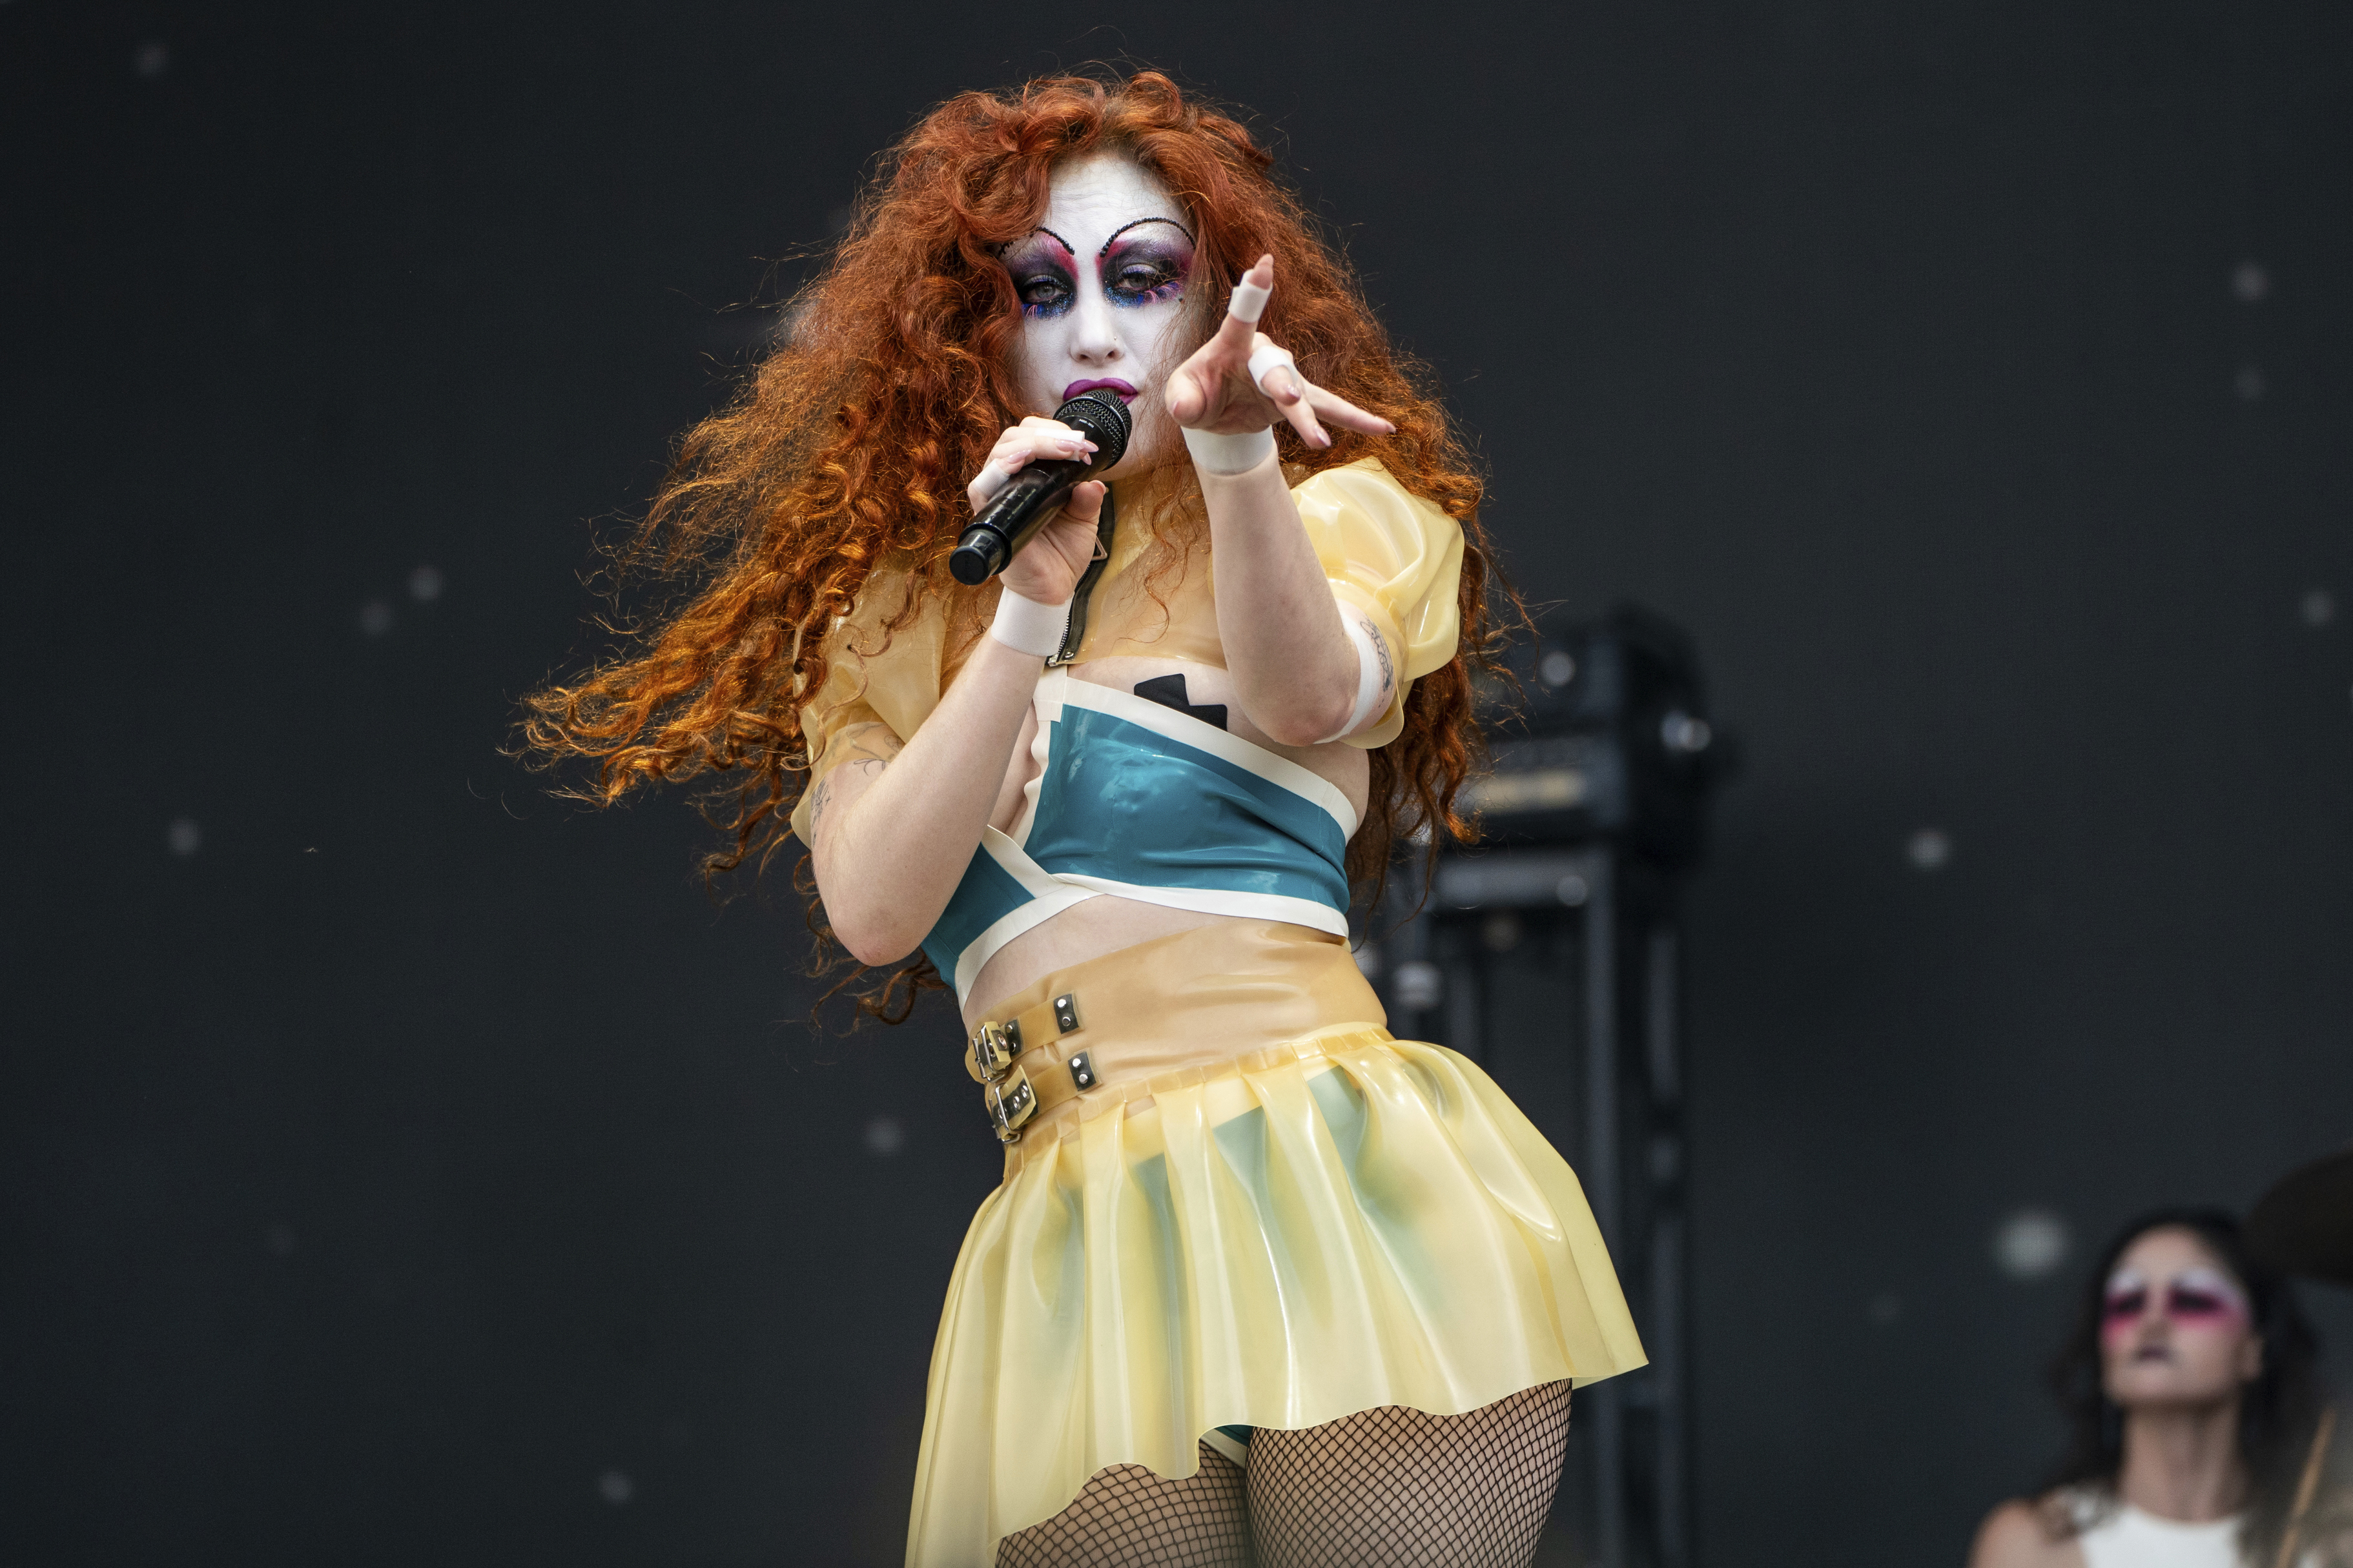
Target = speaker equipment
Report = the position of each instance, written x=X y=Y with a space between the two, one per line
x=1600 y=732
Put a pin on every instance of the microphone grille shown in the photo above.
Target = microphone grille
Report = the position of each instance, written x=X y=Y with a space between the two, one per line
x=1099 y=411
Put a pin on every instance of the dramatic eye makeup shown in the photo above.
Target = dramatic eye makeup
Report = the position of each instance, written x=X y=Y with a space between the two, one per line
x=1044 y=274
x=1146 y=263
x=2125 y=1298
x=2192 y=1296
x=2203 y=1296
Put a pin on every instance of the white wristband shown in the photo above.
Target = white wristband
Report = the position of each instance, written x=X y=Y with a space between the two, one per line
x=1248 y=302
x=1229 y=454
x=1025 y=624
x=1370 y=662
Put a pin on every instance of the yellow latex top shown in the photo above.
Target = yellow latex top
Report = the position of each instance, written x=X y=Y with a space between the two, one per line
x=1384 y=550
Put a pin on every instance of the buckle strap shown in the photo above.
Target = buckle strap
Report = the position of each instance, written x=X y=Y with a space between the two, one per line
x=1013 y=1091
x=1010 y=1102
x=989 y=1054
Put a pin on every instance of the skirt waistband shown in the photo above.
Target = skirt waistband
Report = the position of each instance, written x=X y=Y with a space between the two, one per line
x=1101 y=1032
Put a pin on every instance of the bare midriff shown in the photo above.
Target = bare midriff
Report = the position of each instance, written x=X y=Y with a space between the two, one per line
x=1107 y=924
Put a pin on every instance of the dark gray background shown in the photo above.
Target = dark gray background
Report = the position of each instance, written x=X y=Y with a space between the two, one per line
x=417 y=1160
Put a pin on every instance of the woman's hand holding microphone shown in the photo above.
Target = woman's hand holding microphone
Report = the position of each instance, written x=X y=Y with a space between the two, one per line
x=1043 y=573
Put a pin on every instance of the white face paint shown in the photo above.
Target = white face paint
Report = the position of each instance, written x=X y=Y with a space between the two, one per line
x=2174 y=1327
x=1102 y=283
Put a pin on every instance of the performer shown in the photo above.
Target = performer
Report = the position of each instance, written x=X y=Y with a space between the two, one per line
x=2190 y=1387
x=1257 y=1270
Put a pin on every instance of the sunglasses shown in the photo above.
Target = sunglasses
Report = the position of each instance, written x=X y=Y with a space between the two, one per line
x=2193 y=1295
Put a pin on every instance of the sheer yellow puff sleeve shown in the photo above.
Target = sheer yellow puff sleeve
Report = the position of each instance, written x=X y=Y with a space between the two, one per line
x=1394 y=556
x=879 y=684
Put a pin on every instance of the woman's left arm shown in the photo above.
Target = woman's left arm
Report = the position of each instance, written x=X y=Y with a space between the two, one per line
x=1298 y=669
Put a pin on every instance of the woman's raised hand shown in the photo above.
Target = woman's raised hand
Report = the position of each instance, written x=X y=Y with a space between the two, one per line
x=1049 y=567
x=1216 y=391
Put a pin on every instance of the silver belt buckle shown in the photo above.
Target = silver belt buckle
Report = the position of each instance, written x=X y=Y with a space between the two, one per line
x=1011 y=1102
x=990 y=1054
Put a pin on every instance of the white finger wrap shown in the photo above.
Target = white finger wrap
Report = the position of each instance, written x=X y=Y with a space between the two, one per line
x=1229 y=454
x=1025 y=624
x=1248 y=302
x=1368 y=675
x=1264 y=358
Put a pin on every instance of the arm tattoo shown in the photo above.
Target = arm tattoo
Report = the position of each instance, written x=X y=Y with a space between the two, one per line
x=1381 y=647
x=824 y=795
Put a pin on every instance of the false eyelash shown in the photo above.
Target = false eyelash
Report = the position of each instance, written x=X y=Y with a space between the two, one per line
x=1045 y=309
x=1171 y=270
x=1172 y=290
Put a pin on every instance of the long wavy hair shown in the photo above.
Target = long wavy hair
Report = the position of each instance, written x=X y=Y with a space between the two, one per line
x=848 y=447
x=2277 y=1411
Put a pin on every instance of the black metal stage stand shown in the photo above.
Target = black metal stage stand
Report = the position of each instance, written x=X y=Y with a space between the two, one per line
x=1550 y=955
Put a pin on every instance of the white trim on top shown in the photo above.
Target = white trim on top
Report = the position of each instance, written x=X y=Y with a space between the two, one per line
x=1313 y=913
x=1049 y=896
x=1035 y=879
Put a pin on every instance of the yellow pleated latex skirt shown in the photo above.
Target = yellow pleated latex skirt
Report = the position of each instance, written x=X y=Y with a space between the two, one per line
x=1275 y=1216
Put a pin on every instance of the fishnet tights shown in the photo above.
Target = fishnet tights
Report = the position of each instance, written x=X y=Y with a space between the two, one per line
x=1129 y=1518
x=1383 y=1488
x=1394 y=1488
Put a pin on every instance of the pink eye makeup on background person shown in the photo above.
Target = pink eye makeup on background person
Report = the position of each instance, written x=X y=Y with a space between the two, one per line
x=2199 y=1296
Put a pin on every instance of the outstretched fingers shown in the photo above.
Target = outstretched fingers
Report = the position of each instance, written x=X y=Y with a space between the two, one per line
x=1335 y=409
x=1308 y=406
x=1223 y=382
x=1239 y=331
x=1203 y=384
x=1292 y=393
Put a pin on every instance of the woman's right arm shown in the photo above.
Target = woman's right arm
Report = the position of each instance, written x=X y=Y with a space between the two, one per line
x=891 y=839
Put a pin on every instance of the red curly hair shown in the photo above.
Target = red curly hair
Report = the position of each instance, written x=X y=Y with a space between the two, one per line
x=851 y=444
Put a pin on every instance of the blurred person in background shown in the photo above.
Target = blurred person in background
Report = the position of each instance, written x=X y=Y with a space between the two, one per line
x=2192 y=1392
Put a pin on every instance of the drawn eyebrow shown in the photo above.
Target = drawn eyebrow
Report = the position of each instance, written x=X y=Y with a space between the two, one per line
x=1139 y=223
x=1050 y=234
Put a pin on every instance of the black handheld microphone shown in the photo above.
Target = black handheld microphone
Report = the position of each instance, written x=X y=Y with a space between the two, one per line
x=1014 y=514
